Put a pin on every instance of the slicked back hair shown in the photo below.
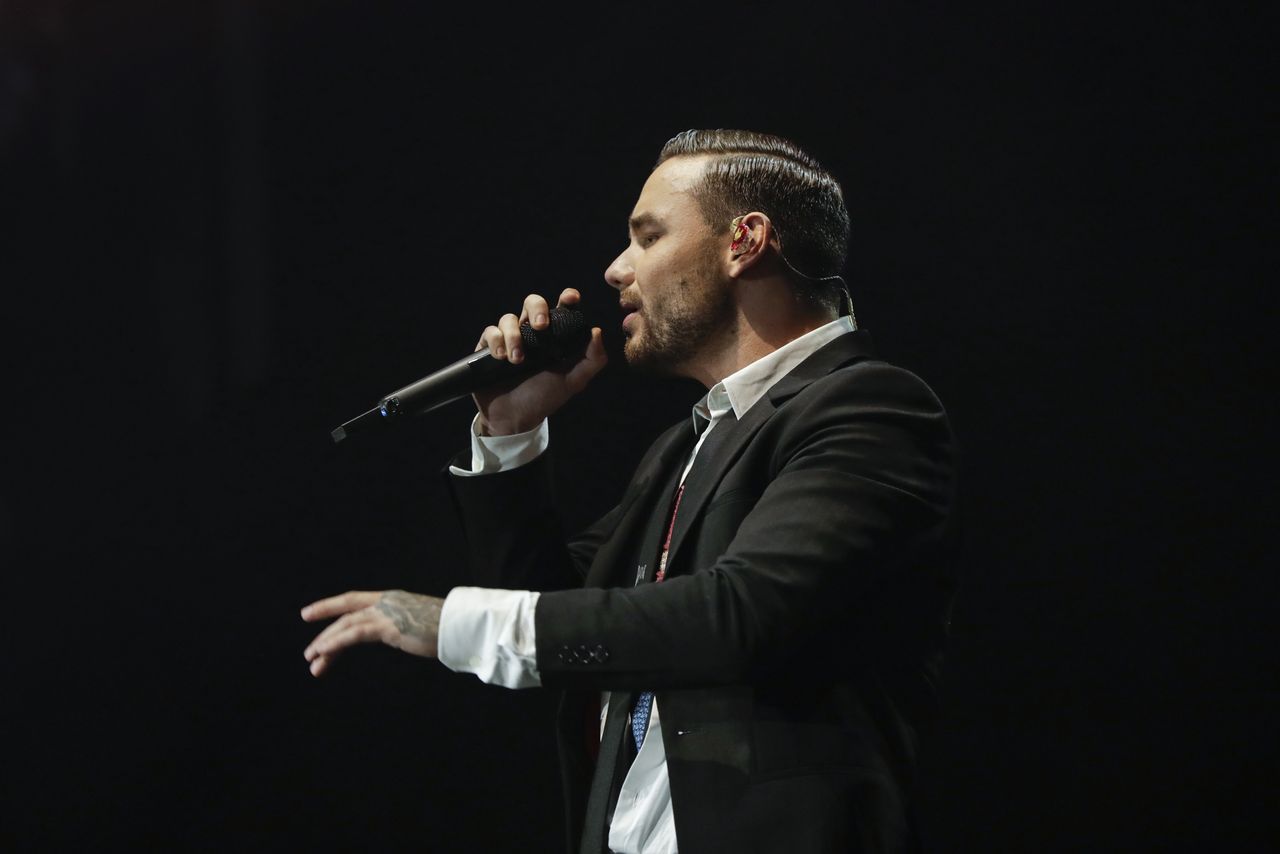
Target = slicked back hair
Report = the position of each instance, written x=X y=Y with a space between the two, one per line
x=752 y=171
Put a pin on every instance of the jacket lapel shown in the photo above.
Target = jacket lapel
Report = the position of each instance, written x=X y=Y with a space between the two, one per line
x=637 y=538
x=721 y=448
x=727 y=440
x=634 y=543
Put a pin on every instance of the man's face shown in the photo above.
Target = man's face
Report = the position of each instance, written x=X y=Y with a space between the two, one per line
x=672 y=286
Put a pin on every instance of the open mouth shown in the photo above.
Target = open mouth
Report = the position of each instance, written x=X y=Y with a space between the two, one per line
x=631 y=312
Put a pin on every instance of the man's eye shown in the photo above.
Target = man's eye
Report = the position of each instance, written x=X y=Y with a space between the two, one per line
x=648 y=240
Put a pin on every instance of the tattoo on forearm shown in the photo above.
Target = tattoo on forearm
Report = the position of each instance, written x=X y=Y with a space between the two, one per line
x=413 y=615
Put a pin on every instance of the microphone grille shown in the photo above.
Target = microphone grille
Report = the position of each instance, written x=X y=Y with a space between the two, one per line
x=567 y=335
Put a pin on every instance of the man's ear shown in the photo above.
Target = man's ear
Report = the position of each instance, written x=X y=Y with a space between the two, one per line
x=750 y=236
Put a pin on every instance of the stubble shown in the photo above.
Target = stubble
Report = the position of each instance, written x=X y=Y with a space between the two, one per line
x=696 y=316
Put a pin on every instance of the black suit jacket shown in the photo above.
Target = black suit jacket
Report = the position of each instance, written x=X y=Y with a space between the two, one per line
x=794 y=642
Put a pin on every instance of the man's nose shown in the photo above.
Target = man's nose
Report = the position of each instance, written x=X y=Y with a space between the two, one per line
x=620 y=273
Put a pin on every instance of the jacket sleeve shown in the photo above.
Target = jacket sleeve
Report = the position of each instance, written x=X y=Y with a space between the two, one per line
x=514 y=539
x=862 y=482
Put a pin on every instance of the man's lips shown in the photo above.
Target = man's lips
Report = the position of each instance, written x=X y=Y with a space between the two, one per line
x=632 y=312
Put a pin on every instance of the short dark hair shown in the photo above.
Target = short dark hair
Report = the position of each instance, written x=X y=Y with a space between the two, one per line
x=758 y=171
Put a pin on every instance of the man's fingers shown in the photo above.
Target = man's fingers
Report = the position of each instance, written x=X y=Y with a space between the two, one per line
x=504 y=341
x=362 y=631
x=535 y=311
x=358 y=622
x=591 y=364
x=494 y=340
x=510 y=326
x=352 y=600
x=319 y=642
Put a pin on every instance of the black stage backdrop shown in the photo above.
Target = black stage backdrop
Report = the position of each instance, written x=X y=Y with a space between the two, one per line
x=233 y=225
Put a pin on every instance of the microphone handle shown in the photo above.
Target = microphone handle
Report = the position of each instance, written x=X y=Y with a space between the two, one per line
x=565 y=339
x=473 y=371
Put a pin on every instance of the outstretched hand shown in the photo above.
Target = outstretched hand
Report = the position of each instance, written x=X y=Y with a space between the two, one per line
x=407 y=621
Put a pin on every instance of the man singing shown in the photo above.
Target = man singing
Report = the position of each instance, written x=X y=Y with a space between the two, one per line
x=751 y=635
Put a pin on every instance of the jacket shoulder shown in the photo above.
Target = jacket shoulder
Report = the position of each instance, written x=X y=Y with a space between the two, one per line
x=868 y=383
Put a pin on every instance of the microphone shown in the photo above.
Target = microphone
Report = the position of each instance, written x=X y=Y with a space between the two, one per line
x=565 y=339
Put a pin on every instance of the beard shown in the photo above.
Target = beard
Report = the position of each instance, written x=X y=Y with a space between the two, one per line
x=692 y=318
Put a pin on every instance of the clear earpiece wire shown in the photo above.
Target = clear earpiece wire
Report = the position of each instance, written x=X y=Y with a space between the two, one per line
x=844 y=286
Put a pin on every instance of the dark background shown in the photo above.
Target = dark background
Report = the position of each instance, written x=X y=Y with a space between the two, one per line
x=233 y=225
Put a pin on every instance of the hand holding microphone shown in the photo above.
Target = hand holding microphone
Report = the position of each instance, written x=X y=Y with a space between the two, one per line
x=506 y=409
x=523 y=370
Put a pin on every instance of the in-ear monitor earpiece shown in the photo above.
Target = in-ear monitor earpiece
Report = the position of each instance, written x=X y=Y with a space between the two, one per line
x=741 y=235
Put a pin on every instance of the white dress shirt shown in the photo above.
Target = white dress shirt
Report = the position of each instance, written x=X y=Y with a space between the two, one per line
x=491 y=632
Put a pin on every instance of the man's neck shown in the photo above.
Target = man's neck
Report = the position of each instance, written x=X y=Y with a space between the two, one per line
x=752 y=341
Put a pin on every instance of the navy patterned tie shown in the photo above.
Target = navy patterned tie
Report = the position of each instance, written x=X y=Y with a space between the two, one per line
x=640 y=717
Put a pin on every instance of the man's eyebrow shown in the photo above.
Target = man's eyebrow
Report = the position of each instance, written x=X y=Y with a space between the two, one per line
x=643 y=220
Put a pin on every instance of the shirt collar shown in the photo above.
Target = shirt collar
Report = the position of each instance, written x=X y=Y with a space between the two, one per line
x=743 y=388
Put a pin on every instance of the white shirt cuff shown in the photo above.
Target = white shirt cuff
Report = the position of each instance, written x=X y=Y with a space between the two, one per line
x=490 y=633
x=492 y=454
